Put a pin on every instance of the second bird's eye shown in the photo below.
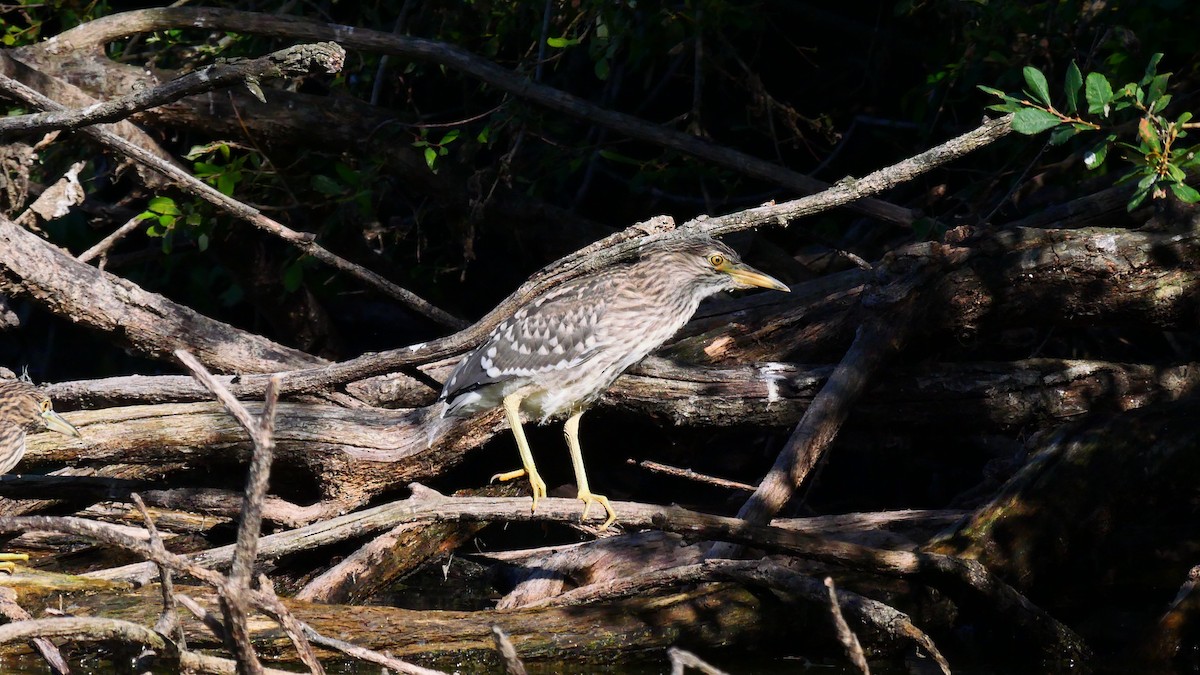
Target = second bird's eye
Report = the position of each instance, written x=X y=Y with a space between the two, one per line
x=46 y=405
x=716 y=260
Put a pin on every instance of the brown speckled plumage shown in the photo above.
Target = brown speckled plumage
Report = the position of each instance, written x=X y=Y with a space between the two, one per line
x=560 y=351
x=23 y=408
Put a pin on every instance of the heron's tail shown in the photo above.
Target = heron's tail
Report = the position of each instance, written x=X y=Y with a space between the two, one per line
x=436 y=423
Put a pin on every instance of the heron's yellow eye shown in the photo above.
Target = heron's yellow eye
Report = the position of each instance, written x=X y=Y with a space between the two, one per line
x=716 y=260
x=46 y=405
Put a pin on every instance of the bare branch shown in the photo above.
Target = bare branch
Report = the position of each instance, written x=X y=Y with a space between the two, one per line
x=303 y=241
x=682 y=659
x=296 y=60
x=101 y=247
x=168 y=623
x=892 y=320
x=14 y=613
x=119 y=25
x=845 y=635
x=508 y=652
x=368 y=655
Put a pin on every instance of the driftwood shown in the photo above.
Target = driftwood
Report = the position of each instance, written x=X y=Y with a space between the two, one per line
x=647 y=590
x=1046 y=527
x=707 y=615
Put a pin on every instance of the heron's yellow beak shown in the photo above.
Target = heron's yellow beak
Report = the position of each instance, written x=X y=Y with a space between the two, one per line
x=746 y=276
x=55 y=422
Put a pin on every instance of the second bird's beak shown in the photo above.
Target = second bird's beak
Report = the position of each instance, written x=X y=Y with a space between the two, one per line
x=55 y=422
x=746 y=276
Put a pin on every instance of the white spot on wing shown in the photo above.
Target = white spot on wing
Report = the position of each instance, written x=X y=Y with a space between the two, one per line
x=493 y=372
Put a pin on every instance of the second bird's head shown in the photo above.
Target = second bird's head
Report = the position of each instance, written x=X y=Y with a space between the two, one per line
x=24 y=405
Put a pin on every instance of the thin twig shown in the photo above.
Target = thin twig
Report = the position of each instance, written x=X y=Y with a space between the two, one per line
x=682 y=659
x=108 y=28
x=168 y=622
x=14 y=612
x=508 y=652
x=892 y=319
x=270 y=604
x=305 y=242
x=210 y=620
x=234 y=592
x=689 y=474
x=846 y=636
x=101 y=248
x=295 y=60
x=368 y=655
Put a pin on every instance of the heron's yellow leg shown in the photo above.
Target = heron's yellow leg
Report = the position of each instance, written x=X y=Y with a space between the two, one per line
x=512 y=410
x=8 y=560
x=571 y=431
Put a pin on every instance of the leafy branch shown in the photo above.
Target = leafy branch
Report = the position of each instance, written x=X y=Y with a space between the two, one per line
x=1159 y=162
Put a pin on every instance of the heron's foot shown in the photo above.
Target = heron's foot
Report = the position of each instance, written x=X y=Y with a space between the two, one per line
x=8 y=561
x=536 y=484
x=508 y=475
x=589 y=498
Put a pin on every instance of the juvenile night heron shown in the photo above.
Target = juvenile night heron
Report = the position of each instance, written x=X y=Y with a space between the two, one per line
x=23 y=407
x=558 y=353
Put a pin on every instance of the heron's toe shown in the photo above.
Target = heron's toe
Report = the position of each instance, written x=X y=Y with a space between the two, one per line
x=8 y=561
x=589 y=498
x=508 y=475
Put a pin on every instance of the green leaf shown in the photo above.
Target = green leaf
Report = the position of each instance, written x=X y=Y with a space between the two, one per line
x=163 y=206
x=482 y=136
x=618 y=157
x=602 y=69
x=1148 y=134
x=293 y=277
x=1073 y=84
x=450 y=137
x=561 y=42
x=1030 y=121
x=202 y=242
x=226 y=182
x=1186 y=193
x=1062 y=134
x=232 y=295
x=349 y=176
x=1137 y=199
x=1156 y=88
x=1037 y=84
x=1099 y=94
x=1093 y=158
x=430 y=157
x=325 y=185
x=204 y=169
x=1151 y=67
x=993 y=92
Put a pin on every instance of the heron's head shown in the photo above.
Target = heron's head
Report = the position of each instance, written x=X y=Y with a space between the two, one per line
x=25 y=406
x=707 y=266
